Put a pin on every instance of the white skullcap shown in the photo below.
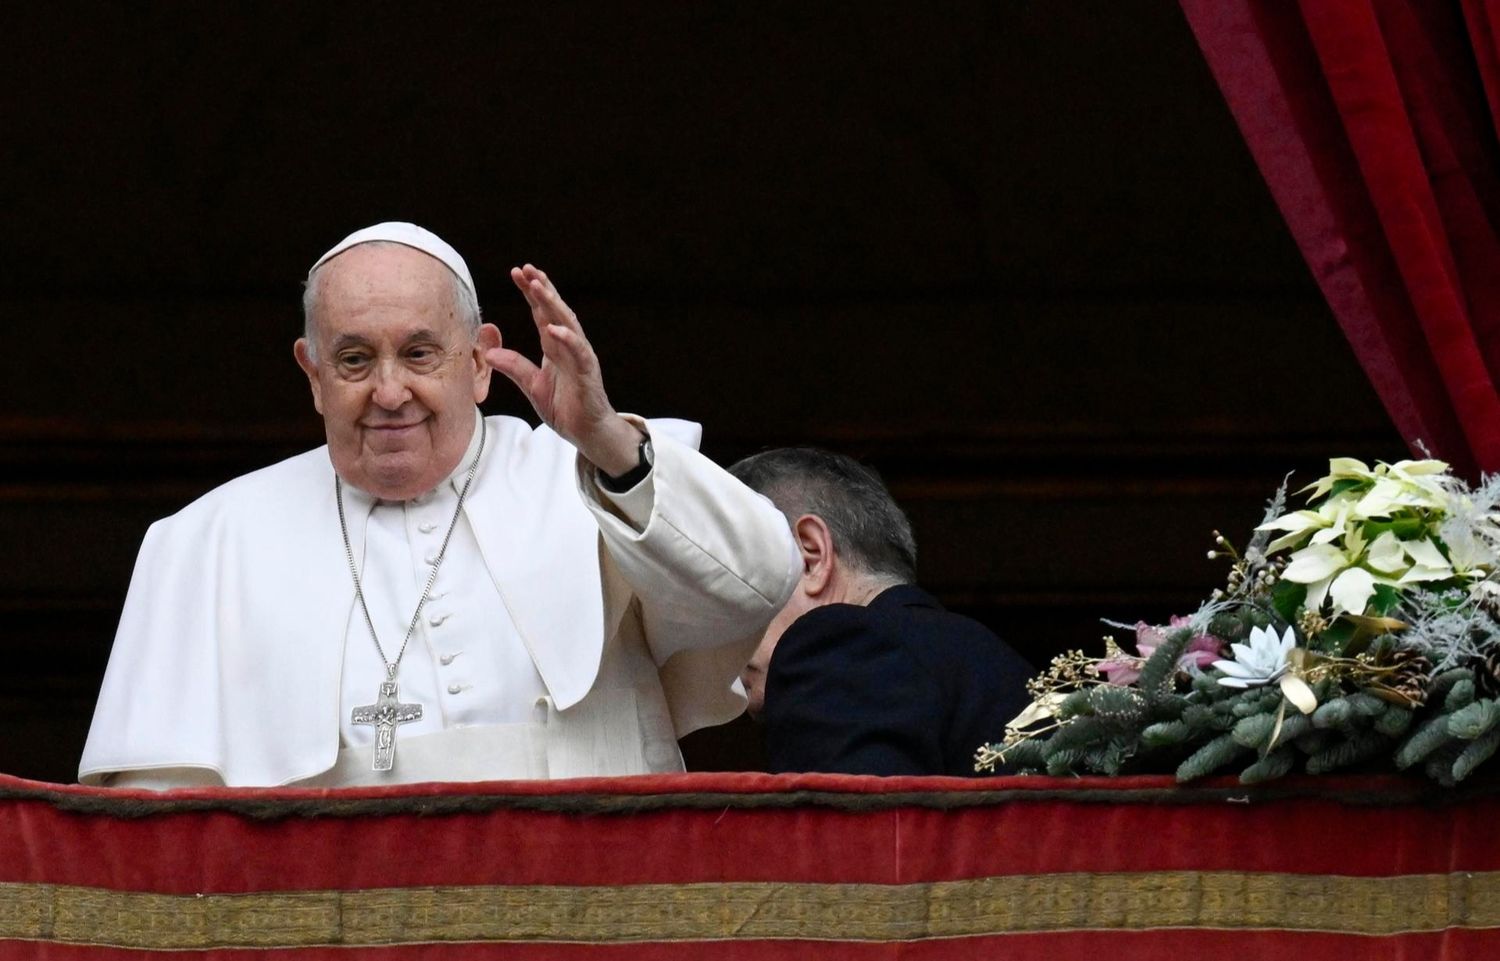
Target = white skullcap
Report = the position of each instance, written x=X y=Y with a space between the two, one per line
x=410 y=235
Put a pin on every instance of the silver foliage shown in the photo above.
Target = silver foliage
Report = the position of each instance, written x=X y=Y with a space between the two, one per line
x=1449 y=627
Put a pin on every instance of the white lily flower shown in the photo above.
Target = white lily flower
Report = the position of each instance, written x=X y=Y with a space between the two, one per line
x=1260 y=661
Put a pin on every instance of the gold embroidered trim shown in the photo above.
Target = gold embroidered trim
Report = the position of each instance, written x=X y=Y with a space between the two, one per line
x=753 y=910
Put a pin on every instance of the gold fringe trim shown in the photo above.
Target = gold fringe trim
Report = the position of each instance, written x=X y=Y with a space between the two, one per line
x=1018 y=904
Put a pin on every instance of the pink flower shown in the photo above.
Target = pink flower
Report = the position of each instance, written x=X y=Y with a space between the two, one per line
x=1123 y=669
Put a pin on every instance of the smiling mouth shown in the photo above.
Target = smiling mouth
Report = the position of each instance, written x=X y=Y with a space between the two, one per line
x=393 y=427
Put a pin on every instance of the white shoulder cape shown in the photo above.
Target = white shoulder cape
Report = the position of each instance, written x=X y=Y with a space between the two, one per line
x=231 y=643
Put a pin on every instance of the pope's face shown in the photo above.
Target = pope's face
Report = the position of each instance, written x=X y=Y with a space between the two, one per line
x=396 y=373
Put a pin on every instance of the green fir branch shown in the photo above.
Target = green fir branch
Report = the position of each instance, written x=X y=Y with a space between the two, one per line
x=1360 y=747
x=1429 y=736
x=1476 y=754
x=1253 y=732
x=1395 y=721
x=1165 y=734
x=1209 y=758
x=1461 y=695
x=1269 y=768
x=1156 y=674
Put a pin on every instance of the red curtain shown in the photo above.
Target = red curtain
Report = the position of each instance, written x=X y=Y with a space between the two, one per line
x=1374 y=123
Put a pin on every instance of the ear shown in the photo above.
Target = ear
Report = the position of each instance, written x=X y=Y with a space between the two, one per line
x=815 y=544
x=485 y=339
x=303 y=353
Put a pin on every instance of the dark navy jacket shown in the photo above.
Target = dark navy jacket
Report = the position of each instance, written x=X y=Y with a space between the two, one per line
x=900 y=686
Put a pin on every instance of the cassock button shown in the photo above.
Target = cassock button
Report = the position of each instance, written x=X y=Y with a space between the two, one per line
x=437 y=619
x=431 y=559
x=446 y=659
x=427 y=528
x=455 y=688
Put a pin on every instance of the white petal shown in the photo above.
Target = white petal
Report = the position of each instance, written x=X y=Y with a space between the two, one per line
x=1284 y=541
x=1351 y=590
x=1420 y=573
x=1380 y=500
x=1386 y=554
x=1415 y=467
x=1244 y=653
x=1295 y=521
x=1425 y=553
x=1235 y=669
x=1347 y=466
x=1313 y=563
x=1236 y=682
x=1317 y=593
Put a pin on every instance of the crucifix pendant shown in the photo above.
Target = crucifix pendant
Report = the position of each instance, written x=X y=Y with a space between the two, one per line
x=385 y=714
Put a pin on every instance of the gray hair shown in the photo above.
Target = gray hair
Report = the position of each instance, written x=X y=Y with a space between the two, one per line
x=870 y=532
x=464 y=300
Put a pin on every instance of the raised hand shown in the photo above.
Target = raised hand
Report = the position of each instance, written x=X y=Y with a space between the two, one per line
x=567 y=390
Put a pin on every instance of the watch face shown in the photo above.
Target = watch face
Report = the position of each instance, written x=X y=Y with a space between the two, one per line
x=648 y=456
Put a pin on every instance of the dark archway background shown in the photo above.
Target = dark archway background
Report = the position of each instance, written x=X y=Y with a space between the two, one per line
x=1013 y=254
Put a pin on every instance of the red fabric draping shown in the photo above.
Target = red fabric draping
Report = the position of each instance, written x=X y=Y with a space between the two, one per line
x=751 y=867
x=1373 y=122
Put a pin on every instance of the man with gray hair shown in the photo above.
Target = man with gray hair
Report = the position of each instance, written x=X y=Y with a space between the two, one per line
x=863 y=672
x=503 y=601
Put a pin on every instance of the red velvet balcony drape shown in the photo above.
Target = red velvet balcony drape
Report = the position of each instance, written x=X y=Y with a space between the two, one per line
x=1374 y=123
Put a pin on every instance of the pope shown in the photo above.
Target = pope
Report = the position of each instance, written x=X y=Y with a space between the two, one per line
x=437 y=595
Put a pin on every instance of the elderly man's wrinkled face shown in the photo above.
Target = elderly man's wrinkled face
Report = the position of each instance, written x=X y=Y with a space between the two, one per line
x=396 y=372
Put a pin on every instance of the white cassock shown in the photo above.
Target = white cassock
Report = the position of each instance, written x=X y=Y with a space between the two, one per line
x=570 y=632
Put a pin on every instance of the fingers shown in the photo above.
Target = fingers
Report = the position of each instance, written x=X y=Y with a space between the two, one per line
x=547 y=305
x=568 y=349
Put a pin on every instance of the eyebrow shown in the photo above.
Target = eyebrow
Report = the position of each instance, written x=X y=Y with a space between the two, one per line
x=355 y=340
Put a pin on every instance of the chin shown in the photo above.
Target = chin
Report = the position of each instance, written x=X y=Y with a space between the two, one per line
x=394 y=478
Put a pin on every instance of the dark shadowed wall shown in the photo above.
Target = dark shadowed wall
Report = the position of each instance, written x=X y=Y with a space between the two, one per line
x=1013 y=254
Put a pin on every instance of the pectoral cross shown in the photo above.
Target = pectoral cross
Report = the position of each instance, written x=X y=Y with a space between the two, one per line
x=385 y=714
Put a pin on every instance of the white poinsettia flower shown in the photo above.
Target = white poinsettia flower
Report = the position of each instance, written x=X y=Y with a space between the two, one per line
x=1428 y=563
x=1424 y=468
x=1335 y=530
x=1339 y=468
x=1260 y=661
x=1326 y=522
x=1386 y=555
x=1314 y=563
x=1331 y=571
x=1428 y=476
x=1394 y=492
x=1352 y=590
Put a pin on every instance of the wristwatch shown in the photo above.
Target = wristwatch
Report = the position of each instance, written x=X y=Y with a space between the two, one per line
x=636 y=474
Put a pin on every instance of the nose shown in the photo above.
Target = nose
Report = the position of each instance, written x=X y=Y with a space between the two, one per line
x=391 y=389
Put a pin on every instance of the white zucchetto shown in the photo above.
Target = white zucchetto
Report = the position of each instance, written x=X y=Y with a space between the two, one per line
x=410 y=235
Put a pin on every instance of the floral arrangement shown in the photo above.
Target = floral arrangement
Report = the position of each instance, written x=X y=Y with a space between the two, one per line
x=1362 y=629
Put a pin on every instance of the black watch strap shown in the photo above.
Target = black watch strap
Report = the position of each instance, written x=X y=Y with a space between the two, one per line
x=632 y=477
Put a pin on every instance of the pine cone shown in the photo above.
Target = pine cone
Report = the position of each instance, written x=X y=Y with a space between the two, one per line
x=1487 y=673
x=1410 y=677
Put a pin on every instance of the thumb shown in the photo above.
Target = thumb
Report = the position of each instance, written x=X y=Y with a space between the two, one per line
x=521 y=371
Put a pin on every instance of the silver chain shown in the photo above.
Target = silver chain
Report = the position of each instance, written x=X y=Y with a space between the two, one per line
x=338 y=495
